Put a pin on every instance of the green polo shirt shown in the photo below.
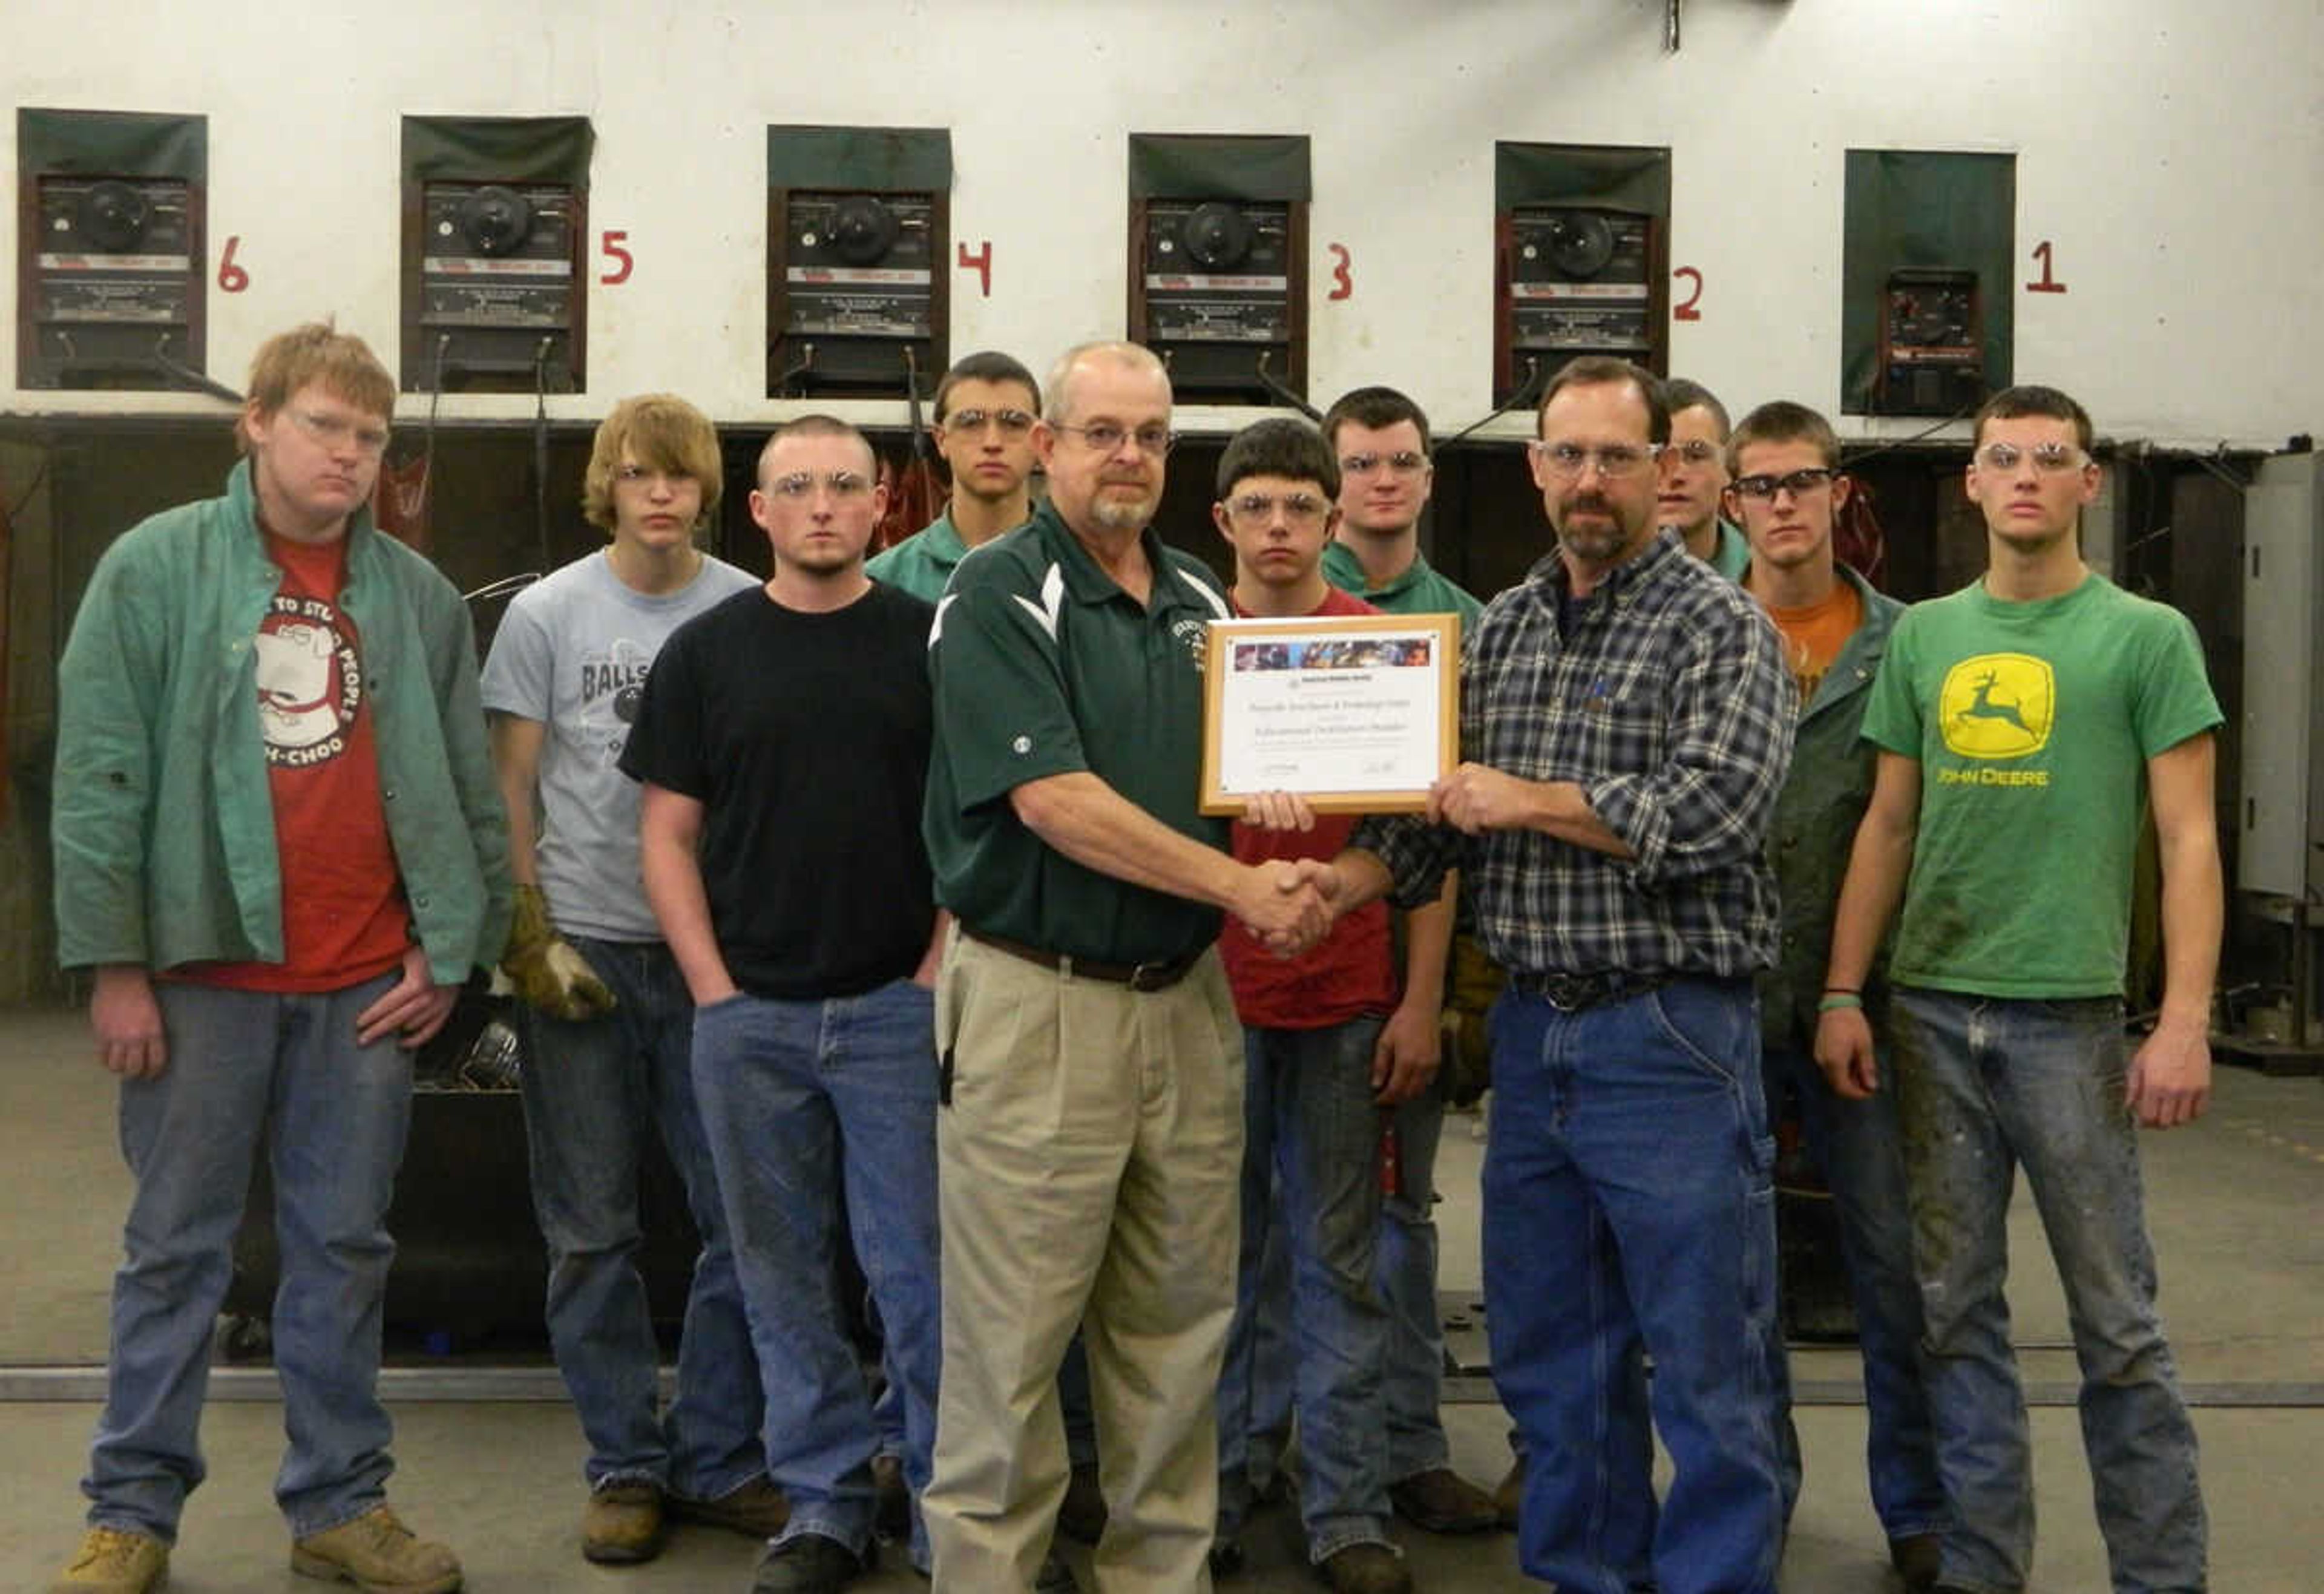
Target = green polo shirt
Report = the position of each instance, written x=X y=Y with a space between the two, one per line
x=1043 y=665
x=1420 y=590
x=923 y=562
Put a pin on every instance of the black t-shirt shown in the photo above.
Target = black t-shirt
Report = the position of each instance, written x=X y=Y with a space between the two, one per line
x=804 y=736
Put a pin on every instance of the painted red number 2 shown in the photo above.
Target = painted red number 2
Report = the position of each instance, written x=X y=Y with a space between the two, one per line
x=1685 y=310
x=2047 y=284
x=612 y=246
x=980 y=263
x=1344 y=286
x=232 y=278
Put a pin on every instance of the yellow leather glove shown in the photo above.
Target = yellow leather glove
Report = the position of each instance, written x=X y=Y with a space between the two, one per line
x=545 y=968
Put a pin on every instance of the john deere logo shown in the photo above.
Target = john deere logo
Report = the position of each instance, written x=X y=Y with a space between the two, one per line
x=1998 y=705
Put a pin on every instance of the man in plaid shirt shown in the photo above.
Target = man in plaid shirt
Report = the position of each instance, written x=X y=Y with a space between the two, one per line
x=1627 y=716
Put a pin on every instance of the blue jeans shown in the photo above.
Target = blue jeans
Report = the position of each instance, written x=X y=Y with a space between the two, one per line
x=808 y=1104
x=1412 y=1378
x=1985 y=1086
x=1311 y=1131
x=593 y=1091
x=1629 y=1212
x=1274 y=1352
x=1857 y=1149
x=339 y=1113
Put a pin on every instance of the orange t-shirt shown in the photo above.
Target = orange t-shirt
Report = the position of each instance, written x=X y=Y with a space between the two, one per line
x=1814 y=635
x=344 y=916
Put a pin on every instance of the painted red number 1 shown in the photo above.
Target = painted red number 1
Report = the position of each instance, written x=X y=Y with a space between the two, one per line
x=232 y=278
x=612 y=245
x=1685 y=310
x=1344 y=286
x=980 y=263
x=2047 y=284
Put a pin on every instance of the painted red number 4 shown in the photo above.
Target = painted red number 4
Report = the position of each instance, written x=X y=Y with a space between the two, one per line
x=980 y=263
x=1684 y=309
x=232 y=278
x=611 y=245
x=2047 y=284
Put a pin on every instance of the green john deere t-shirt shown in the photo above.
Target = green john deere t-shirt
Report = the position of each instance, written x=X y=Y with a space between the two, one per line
x=2033 y=723
x=1044 y=666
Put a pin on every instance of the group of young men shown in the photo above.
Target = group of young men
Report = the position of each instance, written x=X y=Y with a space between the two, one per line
x=881 y=893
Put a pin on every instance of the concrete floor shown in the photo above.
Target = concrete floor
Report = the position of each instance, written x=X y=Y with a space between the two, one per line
x=2236 y=1206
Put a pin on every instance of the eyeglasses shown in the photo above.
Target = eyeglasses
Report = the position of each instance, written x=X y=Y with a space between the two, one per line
x=333 y=431
x=800 y=485
x=1403 y=461
x=968 y=423
x=1301 y=509
x=1694 y=451
x=2049 y=459
x=1107 y=438
x=1614 y=460
x=1798 y=483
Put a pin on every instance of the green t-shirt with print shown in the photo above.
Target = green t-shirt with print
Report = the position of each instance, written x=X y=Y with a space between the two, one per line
x=2032 y=724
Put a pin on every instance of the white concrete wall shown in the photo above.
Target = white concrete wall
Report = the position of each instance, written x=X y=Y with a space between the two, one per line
x=2172 y=153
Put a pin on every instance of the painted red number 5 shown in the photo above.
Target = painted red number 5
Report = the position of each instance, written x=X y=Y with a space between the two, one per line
x=232 y=278
x=612 y=246
x=1684 y=309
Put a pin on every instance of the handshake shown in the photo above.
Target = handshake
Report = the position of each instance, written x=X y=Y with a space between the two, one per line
x=1290 y=905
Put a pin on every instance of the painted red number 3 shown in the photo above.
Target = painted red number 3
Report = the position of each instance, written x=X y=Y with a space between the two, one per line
x=612 y=246
x=1344 y=286
x=2047 y=284
x=1684 y=309
x=232 y=278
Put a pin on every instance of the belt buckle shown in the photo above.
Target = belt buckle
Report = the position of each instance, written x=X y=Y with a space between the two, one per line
x=1149 y=977
x=1573 y=993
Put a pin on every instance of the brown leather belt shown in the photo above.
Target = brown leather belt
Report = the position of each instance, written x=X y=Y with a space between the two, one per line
x=1137 y=976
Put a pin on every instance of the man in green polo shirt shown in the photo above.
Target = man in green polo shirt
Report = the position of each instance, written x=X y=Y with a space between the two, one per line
x=1694 y=479
x=985 y=407
x=1091 y=1136
x=1381 y=438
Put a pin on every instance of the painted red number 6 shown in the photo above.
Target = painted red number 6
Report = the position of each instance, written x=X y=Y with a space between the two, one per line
x=232 y=278
x=1685 y=310
x=612 y=246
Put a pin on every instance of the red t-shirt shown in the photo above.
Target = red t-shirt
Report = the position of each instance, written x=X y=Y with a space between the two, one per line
x=1348 y=975
x=344 y=917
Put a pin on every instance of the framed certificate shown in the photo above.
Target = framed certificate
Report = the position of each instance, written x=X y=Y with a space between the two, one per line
x=1357 y=714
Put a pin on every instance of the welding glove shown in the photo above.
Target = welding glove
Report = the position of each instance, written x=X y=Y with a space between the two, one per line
x=543 y=965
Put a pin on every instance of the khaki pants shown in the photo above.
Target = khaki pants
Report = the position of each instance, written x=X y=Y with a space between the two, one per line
x=1087 y=1165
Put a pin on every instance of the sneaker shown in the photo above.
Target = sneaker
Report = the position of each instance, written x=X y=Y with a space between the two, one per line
x=1082 y=1517
x=1055 y=1577
x=114 y=1561
x=1509 y=1494
x=1917 y=1558
x=378 y=1554
x=1364 y=1568
x=757 y=1509
x=1440 y=1501
x=622 y=1524
x=809 y=1563
x=892 y=1514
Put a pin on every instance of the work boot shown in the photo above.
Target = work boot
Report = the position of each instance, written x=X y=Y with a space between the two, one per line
x=1055 y=1576
x=622 y=1524
x=756 y=1508
x=1440 y=1501
x=1917 y=1558
x=1509 y=1494
x=1082 y=1516
x=807 y=1564
x=114 y=1561
x=891 y=1511
x=378 y=1554
x=1364 y=1568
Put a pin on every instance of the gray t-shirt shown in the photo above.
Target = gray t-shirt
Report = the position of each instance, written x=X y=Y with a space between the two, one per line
x=572 y=652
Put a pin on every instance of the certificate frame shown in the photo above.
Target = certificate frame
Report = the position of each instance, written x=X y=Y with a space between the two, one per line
x=1394 y=709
